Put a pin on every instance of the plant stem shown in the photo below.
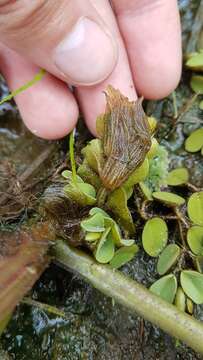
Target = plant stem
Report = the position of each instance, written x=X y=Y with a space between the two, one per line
x=132 y=295
x=72 y=158
x=24 y=87
x=45 y=307
x=175 y=105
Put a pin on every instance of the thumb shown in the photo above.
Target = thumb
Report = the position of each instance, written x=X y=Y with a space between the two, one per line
x=68 y=38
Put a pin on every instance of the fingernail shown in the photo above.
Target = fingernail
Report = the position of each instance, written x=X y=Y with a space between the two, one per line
x=87 y=55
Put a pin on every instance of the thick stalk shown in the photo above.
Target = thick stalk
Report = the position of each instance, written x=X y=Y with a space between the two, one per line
x=132 y=295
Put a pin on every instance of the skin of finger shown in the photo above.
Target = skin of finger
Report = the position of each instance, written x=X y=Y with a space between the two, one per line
x=35 y=28
x=48 y=108
x=92 y=98
x=152 y=34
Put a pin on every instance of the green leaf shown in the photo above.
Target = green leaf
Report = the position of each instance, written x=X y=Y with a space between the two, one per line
x=146 y=191
x=117 y=202
x=177 y=177
x=138 y=175
x=96 y=210
x=93 y=153
x=123 y=255
x=94 y=224
x=192 y=284
x=199 y=263
x=195 y=62
x=194 y=142
x=153 y=149
x=195 y=239
x=67 y=174
x=154 y=236
x=165 y=287
x=127 y=242
x=201 y=105
x=92 y=236
x=195 y=208
x=168 y=198
x=82 y=193
x=180 y=299
x=168 y=258
x=106 y=248
x=196 y=84
x=190 y=306
x=152 y=123
x=89 y=175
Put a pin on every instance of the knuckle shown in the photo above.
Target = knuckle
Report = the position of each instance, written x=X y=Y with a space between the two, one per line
x=22 y=19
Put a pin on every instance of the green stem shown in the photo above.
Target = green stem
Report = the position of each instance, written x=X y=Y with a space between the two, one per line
x=24 y=87
x=45 y=307
x=72 y=157
x=175 y=105
x=132 y=295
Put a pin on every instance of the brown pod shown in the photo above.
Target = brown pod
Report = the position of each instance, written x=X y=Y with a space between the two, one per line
x=126 y=138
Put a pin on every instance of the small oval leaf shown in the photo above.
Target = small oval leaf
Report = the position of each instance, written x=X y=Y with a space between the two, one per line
x=154 y=236
x=195 y=62
x=165 y=287
x=146 y=191
x=192 y=284
x=106 y=248
x=196 y=84
x=195 y=239
x=93 y=224
x=123 y=255
x=168 y=258
x=67 y=174
x=194 y=142
x=168 y=198
x=195 y=208
x=180 y=299
x=177 y=177
x=199 y=263
x=92 y=236
x=96 y=210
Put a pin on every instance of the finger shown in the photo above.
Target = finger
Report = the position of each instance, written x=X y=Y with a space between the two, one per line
x=92 y=99
x=151 y=30
x=68 y=38
x=48 y=108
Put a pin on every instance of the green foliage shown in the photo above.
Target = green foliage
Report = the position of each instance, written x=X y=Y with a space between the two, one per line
x=168 y=258
x=195 y=239
x=195 y=208
x=192 y=284
x=123 y=255
x=195 y=61
x=177 y=177
x=103 y=233
x=196 y=83
x=168 y=198
x=154 y=236
x=180 y=299
x=117 y=202
x=165 y=287
x=158 y=169
x=194 y=142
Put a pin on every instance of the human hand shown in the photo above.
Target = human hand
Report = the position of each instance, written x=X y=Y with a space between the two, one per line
x=135 y=47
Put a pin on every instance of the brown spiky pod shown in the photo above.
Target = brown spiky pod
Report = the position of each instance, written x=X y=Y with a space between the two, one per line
x=126 y=138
